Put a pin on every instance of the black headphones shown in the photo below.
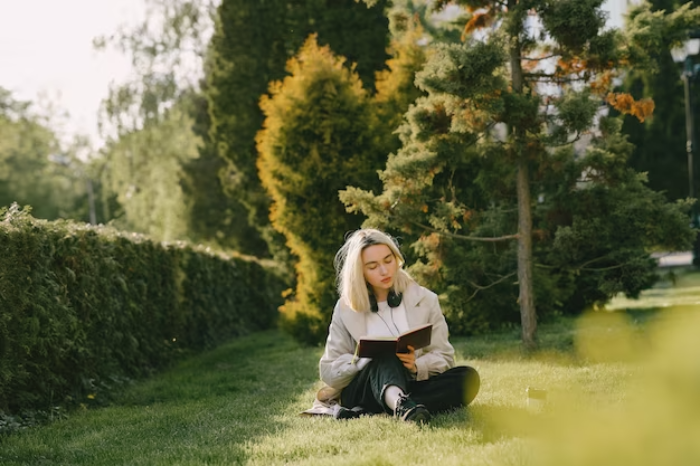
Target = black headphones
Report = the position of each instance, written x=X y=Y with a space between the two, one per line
x=393 y=300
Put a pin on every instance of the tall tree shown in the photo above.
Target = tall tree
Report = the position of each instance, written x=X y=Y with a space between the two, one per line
x=33 y=165
x=659 y=145
x=146 y=170
x=249 y=49
x=318 y=138
x=166 y=49
x=529 y=78
x=214 y=217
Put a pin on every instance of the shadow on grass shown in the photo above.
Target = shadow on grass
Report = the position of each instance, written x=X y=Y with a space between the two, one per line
x=556 y=344
x=240 y=402
x=204 y=410
x=559 y=339
x=493 y=423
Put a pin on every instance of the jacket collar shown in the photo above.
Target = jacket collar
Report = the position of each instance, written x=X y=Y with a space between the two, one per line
x=356 y=322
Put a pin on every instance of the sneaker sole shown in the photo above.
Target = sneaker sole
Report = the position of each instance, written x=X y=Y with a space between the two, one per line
x=419 y=416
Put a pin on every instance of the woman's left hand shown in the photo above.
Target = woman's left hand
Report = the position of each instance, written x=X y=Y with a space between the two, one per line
x=409 y=359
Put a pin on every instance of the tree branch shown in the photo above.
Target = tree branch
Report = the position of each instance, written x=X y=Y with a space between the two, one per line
x=464 y=237
x=539 y=58
x=480 y=288
x=486 y=287
x=591 y=269
x=603 y=269
x=553 y=77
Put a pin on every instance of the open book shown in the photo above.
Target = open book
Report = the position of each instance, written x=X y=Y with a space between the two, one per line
x=370 y=347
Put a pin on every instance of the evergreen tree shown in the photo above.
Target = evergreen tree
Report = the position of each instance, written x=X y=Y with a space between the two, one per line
x=249 y=49
x=660 y=144
x=318 y=138
x=214 y=218
x=395 y=86
x=503 y=113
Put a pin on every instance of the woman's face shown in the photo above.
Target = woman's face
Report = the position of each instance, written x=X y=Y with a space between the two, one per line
x=379 y=266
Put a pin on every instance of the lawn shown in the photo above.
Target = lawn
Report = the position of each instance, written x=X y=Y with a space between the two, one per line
x=621 y=390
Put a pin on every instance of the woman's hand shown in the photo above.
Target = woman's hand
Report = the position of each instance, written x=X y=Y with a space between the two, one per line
x=409 y=359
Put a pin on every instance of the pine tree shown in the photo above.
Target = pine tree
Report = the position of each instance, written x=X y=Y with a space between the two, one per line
x=506 y=115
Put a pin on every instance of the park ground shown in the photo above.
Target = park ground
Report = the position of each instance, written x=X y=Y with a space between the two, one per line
x=621 y=388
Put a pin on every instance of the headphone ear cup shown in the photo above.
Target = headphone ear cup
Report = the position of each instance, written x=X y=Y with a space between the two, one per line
x=393 y=299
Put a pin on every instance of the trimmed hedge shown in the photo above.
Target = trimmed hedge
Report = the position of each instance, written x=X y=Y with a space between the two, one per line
x=81 y=306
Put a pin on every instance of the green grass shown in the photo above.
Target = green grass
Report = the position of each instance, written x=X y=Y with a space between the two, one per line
x=239 y=404
x=608 y=403
x=674 y=290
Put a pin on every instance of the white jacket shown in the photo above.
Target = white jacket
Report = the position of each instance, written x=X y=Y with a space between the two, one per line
x=347 y=326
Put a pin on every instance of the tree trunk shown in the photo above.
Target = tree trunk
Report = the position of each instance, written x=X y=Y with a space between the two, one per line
x=528 y=315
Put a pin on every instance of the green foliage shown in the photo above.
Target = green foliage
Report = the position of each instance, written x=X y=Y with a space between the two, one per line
x=145 y=171
x=576 y=110
x=165 y=50
x=611 y=222
x=83 y=307
x=212 y=217
x=395 y=86
x=318 y=138
x=464 y=71
x=166 y=189
x=490 y=131
x=249 y=49
x=30 y=172
x=240 y=404
x=572 y=23
x=660 y=149
x=650 y=30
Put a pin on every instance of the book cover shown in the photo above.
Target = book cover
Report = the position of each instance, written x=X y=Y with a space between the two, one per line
x=370 y=347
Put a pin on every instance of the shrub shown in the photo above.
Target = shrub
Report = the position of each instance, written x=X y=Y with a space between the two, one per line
x=82 y=305
x=318 y=139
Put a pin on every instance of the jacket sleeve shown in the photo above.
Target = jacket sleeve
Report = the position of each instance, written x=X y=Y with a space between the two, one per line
x=439 y=355
x=336 y=365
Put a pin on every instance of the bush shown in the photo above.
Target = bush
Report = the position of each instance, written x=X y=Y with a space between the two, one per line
x=319 y=137
x=81 y=306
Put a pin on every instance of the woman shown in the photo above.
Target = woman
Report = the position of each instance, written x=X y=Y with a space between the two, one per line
x=379 y=298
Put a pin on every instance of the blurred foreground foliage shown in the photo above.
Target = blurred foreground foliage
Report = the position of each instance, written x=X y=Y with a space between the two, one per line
x=657 y=417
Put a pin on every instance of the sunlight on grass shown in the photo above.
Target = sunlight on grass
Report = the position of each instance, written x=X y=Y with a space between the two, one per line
x=619 y=391
x=675 y=289
x=498 y=428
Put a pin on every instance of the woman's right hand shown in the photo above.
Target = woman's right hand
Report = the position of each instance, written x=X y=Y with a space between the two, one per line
x=409 y=359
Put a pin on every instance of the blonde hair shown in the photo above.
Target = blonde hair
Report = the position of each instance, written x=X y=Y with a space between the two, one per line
x=350 y=277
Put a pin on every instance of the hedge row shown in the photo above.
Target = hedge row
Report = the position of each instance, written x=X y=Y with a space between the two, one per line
x=81 y=306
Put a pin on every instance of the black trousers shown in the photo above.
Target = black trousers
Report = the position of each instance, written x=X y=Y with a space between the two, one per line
x=451 y=389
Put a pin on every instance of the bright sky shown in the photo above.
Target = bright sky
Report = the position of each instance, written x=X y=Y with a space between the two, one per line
x=46 y=50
